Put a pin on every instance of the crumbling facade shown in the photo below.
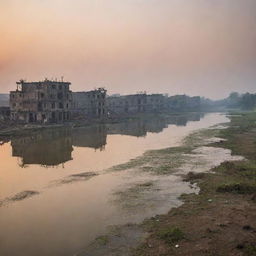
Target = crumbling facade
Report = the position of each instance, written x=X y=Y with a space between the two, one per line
x=156 y=103
x=43 y=102
x=136 y=103
x=91 y=104
x=128 y=104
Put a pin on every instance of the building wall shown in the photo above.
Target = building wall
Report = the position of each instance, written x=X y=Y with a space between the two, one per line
x=129 y=104
x=4 y=113
x=137 y=103
x=91 y=104
x=46 y=101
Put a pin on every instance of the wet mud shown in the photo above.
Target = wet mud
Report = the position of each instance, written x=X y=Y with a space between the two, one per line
x=19 y=197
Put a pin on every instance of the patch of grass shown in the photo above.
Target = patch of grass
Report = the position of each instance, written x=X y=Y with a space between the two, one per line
x=239 y=188
x=192 y=177
x=219 y=189
x=199 y=138
x=102 y=240
x=171 y=235
x=250 y=250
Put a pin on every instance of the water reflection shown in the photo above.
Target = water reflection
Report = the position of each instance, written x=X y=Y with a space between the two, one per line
x=46 y=148
x=90 y=137
x=54 y=146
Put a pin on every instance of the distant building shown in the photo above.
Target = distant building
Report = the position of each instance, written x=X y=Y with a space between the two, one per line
x=4 y=113
x=46 y=101
x=136 y=103
x=91 y=104
x=128 y=104
x=4 y=100
x=156 y=103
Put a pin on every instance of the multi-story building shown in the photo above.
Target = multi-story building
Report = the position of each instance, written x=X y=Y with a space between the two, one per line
x=136 y=103
x=45 y=101
x=128 y=104
x=91 y=104
x=156 y=103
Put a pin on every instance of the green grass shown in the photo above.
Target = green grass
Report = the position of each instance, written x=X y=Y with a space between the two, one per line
x=171 y=235
x=239 y=188
x=250 y=250
x=102 y=240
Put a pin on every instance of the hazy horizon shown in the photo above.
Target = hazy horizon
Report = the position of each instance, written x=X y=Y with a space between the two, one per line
x=195 y=47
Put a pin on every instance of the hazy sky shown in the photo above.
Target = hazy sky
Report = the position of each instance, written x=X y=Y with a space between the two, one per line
x=197 y=47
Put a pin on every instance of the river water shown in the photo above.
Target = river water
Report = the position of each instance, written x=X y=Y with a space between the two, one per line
x=56 y=195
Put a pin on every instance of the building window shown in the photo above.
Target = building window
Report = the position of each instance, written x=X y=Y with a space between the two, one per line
x=60 y=96
x=53 y=105
x=60 y=105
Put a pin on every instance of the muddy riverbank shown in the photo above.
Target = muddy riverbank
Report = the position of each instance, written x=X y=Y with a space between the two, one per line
x=218 y=219
x=221 y=219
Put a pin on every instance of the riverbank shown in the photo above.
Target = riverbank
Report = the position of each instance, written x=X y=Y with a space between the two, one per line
x=11 y=129
x=221 y=219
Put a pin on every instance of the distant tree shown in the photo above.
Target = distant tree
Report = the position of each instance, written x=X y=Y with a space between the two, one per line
x=248 y=101
x=233 y=101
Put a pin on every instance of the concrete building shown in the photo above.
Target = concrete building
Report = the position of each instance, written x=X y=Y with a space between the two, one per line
x=45 y=102
x=91 y=104
x=4 y=113
x=4 y=100
x=128 y=104
x=156 y=103
x=136 y=103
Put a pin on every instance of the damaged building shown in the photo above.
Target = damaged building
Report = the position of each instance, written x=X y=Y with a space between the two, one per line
x=44 y=102
x=91 y=104
x=127 y=104
x=136 y=103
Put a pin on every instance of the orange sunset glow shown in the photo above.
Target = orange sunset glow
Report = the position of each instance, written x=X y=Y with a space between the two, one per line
x=174 y=46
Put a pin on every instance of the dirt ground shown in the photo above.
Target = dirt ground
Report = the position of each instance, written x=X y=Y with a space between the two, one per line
x=221 y=220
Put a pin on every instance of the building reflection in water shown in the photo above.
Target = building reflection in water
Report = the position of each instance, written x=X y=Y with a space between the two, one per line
x=90 y=137
x=54 y=146
x=48 y=148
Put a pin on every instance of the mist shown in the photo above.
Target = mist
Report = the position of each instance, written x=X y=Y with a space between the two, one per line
x=194 y=47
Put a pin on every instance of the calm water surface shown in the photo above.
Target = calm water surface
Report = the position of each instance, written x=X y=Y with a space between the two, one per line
x=66 y=216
